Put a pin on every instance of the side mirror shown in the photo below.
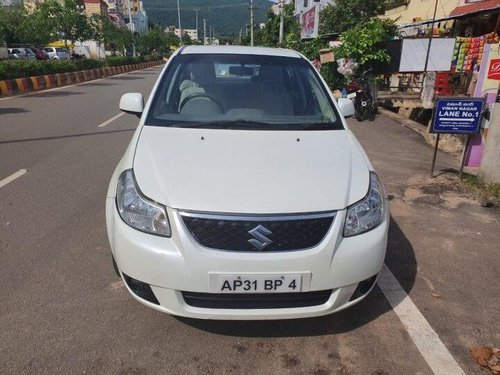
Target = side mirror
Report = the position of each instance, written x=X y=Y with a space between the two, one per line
x=133 y=103
x=346 y=107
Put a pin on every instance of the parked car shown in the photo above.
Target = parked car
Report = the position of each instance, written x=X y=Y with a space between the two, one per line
x=77 y=56
x=30 y=54
x=56 y=53
x=17 y=54
x=245 y=195
x=40 y=53
x=21 y=53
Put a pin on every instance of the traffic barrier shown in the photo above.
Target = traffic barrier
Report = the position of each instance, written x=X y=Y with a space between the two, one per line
x=24 y=85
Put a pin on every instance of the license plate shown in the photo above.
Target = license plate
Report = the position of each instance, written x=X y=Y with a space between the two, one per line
x=255 y=283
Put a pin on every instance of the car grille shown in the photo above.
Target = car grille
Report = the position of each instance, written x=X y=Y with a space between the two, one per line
x=256 y=301
x=254 y=233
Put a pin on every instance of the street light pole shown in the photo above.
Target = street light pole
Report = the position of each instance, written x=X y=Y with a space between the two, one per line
x=196 y=11
x=179 y=16
x=204 y=31
x=131 y=25
x=282 y=10
x=251 y=23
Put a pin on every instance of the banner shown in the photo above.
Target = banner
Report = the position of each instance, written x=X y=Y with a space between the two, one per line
x=488 y=78
x=494 y=70
x=414 y=51
x=310 y=23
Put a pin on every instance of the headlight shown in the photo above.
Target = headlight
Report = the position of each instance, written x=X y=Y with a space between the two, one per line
x=367 y=213
x=138 y=212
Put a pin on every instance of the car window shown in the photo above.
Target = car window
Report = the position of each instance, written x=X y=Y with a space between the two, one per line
x=223 y=90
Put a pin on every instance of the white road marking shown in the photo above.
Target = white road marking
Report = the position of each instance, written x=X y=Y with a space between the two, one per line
x=12 y=177
x=425 y=338
x=110 y=120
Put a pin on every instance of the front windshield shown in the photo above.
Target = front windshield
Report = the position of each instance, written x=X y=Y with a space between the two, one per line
x=241 y=92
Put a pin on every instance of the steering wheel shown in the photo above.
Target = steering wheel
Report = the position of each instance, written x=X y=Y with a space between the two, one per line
x=200 y=95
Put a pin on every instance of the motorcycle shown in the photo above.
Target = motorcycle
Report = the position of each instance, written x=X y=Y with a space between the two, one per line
x=365 y=105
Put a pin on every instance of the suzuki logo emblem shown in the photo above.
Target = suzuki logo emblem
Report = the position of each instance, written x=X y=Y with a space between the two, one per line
x=259 y=240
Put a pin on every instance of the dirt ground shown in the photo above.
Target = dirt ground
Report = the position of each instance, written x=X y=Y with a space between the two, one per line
x=444 y=246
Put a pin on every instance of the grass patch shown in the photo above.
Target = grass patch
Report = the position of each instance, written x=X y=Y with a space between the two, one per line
x=487 y=191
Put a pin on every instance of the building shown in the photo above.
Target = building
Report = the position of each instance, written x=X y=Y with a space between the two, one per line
x=115 y=6
x=92 y=7
x=192 y=33
x=139 y=22
x=464 y=17
x=410 y=11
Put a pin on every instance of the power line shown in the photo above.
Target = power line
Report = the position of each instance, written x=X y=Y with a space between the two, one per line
x=197 y=7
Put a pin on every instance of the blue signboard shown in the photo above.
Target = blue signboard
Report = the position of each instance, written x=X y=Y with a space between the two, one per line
x=457 y=115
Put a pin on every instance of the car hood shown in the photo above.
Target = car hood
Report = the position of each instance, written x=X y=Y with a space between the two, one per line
x=243 y=171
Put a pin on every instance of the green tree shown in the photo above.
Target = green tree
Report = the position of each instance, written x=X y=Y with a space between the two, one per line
x=11 y=21
x=186 y=40
x=121 y=39
x=36 y=28
x=115 y=38
x=342 y=15
x=269 y=35
x=362 y=42
x=156 y=39
x=67 y=20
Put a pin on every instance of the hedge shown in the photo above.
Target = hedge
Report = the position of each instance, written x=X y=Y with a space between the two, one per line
x=126 y=60
x=11 y=69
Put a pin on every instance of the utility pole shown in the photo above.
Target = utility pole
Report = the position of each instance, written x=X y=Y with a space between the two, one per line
x=131 y=25
x=429 y=46
x=282 y=26
x=251 y=22
x=197 y=37
x=179 y=16
x=204 y=31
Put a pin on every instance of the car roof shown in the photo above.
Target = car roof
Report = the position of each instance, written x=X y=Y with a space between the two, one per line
x=240 y=50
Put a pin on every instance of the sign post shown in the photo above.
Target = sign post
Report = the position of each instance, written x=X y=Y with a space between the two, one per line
x=456 y=116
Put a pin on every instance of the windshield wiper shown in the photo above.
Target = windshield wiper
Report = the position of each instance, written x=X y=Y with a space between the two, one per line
x=226 y=124
x=319 y=126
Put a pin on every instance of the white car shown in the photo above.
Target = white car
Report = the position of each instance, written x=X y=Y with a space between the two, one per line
x=21 y=53
x=56 y=53
x=245 y=195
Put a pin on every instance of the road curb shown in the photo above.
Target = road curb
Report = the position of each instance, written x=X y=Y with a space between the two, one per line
x=23 y=85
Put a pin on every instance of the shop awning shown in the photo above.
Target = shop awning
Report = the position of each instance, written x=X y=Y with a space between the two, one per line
x=477 y=7
x=60 y=44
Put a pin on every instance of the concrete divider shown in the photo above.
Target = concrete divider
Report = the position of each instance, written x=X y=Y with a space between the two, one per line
x=29 y=84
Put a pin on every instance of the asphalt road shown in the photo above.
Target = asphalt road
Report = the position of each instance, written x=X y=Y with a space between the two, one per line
x=63 y=310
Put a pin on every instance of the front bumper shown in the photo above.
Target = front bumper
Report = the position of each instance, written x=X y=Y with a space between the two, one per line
x=178 y=264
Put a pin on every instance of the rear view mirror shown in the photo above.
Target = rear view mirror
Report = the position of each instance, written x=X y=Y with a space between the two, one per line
x=346 y=107
x=133 y=103
x=241 y=71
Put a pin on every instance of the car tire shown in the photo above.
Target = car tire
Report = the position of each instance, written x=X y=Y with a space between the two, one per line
x=359 y=114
